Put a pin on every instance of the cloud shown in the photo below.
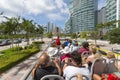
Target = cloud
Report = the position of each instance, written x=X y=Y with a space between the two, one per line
x=101 y=3
x=39 y=6
x=62 y=6
x=34 y=7
x=56 y=16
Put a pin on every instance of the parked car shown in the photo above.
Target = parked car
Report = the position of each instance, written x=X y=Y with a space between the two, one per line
x=25 y=40
x=5 y=42
x=17 y=41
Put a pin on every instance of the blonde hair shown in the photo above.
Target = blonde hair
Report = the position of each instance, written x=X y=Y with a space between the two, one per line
x=110 y=55
x=117 y=64
x=97 y=55
x=93 y=49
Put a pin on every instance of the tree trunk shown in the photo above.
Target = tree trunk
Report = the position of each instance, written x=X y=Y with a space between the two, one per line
x=27 y=37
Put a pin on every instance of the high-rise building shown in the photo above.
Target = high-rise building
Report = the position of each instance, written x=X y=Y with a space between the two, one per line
x=50 y=26
x=83 y=14
x=68 y=28
x=101 y=15
x=113 y=10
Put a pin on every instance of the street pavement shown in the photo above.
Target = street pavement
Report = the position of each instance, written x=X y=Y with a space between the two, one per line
x=17 y=72
x=105 y=44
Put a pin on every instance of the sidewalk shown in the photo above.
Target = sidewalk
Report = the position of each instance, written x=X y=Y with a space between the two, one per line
x=17 y=72
x=105 y=44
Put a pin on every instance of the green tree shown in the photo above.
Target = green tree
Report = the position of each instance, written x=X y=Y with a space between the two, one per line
x=11 y=27
x=40 y=31
x=2 y=30
x=100 y=26
x=28 y=27
x=73 y=35
x=118 y=23
x=49 y=34
x=114 y=36
x=83 y=34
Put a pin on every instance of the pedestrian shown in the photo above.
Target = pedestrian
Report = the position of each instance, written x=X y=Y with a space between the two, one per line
x=58 y=42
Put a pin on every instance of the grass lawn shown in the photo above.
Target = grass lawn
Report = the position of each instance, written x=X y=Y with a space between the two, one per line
x=11 y=57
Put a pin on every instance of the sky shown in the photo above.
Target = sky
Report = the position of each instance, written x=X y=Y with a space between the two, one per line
x=41 y=11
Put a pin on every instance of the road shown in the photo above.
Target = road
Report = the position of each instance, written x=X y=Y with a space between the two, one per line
x=23 y=43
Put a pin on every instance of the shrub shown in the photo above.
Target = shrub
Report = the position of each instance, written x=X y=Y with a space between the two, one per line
x=38 y=42
x=49 y=35
x=73 y=35
x=83 y=34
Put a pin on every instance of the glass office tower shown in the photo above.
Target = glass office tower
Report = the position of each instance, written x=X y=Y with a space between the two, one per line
x=83 y=14
x=113 y=10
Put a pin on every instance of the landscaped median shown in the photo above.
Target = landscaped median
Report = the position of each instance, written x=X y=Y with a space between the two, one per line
x=13 y=56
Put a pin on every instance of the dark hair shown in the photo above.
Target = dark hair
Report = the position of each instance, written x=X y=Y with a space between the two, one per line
x=85 y=44
x=63 y=46
x=70 y=41
x=76 y=57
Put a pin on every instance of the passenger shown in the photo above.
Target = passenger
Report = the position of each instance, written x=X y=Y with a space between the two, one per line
x=79 y=77
x=58 y=42
x=74 y=46
x=52 y=50
x=93 y=51
x=84 y=60
x=109 y=69
x=44 y=67
x=62 y=50
x=85 y=47
x=75 y=68
x=66 y=53
x=66 y=42
x=110 y=55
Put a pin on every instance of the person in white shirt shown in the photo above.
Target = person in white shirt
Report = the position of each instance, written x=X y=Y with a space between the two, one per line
x=75 y=68
x=74 y=46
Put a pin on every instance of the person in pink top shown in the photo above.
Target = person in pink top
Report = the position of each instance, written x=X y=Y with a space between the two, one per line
x=93 y=51
x=85 y=47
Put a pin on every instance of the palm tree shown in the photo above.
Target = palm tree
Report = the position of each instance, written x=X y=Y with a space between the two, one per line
x=11 y=27
x=28 y=27
x=40 y=31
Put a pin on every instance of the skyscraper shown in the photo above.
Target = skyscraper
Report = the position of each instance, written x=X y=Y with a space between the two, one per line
x=113 y=10
x=83 y=15
x=101 y=15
